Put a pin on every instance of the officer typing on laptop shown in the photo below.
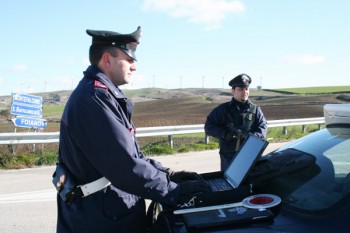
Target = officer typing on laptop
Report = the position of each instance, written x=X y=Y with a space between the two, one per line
x=103 y=177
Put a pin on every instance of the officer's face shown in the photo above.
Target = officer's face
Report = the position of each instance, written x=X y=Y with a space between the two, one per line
x=121 y=68
x=240 y=94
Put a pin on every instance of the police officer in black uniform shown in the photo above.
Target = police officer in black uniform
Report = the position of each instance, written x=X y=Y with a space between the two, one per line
x=230 y=122
x=97 y=142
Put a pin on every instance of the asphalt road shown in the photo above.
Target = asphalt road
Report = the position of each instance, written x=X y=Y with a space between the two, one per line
x=28 y=199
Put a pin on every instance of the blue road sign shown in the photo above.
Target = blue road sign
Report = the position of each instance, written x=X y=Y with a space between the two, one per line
x=23 y=110
x=25 y=99
x=36 y=123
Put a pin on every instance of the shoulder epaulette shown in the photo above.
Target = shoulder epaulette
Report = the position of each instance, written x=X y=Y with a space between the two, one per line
x=98 y=84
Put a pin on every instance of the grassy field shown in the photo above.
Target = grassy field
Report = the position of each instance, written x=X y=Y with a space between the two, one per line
x=53 y=111
x=316 y=90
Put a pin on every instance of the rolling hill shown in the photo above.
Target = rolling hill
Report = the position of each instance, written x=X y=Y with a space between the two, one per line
x=160 y=107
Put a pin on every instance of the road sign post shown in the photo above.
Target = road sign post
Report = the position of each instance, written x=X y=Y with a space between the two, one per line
x=36 y=123
x=25 y=99
x=28 y=111
x=24 y=110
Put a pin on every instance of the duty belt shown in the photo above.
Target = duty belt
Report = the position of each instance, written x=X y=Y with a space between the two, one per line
x=68 y=188
x=93 y=187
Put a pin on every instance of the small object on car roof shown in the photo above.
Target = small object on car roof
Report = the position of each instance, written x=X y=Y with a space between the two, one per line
x=336 y=114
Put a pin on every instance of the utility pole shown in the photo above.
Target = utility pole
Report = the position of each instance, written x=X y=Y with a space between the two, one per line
x=260 y=86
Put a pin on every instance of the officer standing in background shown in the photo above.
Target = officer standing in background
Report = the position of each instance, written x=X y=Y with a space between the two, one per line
x=230 y=122
x=98 y=144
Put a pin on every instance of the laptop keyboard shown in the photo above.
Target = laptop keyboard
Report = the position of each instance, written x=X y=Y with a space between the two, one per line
x=218 y=184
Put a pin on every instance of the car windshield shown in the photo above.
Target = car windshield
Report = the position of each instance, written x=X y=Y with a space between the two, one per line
x=322 y=188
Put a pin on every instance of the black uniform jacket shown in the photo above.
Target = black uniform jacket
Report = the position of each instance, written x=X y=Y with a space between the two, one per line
x=97 y=139
x=217 y=120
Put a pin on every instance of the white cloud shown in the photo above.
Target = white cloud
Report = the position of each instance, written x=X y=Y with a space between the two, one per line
x=18 y=68
x=305 y=59
x=207 y=12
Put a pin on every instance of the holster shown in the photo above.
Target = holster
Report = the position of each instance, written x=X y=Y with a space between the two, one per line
x=65 y=183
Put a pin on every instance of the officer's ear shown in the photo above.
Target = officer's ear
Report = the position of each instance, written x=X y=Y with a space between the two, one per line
x=105 y=61
x=107 y=57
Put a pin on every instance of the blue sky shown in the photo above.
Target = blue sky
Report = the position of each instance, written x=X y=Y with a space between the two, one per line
x=184 y=43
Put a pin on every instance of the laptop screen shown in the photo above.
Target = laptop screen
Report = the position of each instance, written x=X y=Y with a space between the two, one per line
x=251 y=149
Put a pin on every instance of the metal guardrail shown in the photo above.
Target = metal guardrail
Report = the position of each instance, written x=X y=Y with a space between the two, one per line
x=53 y=137
x=28 y=138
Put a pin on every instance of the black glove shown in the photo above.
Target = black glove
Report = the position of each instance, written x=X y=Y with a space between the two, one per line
x=182 y=176
x=229 y=135
x=190 y=188
x=233 y=132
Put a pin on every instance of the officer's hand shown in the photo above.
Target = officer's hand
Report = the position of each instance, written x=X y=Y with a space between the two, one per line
x=182 y=176
x=229 y=135
x=189 y=189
